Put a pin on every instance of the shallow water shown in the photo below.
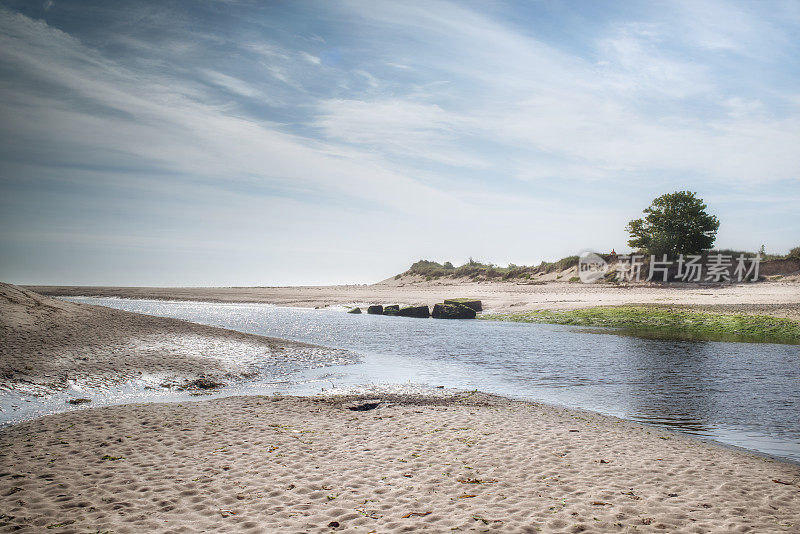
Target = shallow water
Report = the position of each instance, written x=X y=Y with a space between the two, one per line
x=742 y=394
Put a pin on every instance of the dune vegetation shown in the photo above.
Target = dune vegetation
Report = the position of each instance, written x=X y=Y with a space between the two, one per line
x=486 y=271
x=475 y=270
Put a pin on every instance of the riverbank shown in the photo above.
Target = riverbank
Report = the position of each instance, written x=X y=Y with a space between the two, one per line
x=670 y=323
x=763 y=312
x=467 y=462
x=778 y=299
x=48 y=344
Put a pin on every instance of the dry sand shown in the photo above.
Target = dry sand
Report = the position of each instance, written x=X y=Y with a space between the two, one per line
x=470 y=463
x=775 y=298
x=47 y=343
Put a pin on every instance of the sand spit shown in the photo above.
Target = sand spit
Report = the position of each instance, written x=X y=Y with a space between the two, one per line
x=46 y=344
x=470 y=462
x=772 y=298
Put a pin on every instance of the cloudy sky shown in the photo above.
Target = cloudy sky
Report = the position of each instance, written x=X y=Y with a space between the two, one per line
x=265 y=143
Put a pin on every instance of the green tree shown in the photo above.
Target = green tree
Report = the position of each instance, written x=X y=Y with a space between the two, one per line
x=675 y=223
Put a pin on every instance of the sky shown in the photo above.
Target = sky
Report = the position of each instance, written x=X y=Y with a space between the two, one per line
x=183 y=143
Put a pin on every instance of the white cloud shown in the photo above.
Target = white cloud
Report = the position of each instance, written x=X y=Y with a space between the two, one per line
x=311 y=59
x=633 y=110
x=235 y=85
x=397 y=127
x=633 y=65
x=170 y=129
x=726 y=26
x=266 y=50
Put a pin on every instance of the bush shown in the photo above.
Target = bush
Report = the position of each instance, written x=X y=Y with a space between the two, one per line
x=428 y=269
x=560 y=265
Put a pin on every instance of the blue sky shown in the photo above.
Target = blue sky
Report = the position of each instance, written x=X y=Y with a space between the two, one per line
x=272 y=143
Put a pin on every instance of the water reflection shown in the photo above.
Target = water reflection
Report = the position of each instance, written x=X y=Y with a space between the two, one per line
x=689 y=336
x=670 y=383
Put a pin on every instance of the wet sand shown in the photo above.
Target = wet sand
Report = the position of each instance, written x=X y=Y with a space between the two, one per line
x=468 y=463
x=47 y=344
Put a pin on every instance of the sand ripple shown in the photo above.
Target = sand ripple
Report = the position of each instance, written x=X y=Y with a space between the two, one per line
x=465 y=463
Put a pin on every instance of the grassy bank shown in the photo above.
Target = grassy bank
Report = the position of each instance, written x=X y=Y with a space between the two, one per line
x=669 y=323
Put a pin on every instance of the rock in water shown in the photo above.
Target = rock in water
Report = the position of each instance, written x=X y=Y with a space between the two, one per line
x=355 y=310
x=452 y=311
x=375 y=309
x=392 y=309
x=469 y=303
x=415 y=311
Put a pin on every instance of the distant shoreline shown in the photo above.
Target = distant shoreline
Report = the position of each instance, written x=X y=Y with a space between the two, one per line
x=774 y=298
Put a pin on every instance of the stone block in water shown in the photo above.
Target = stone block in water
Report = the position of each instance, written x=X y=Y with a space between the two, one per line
x=469 y=303
x=452 y=311
x=415 y=311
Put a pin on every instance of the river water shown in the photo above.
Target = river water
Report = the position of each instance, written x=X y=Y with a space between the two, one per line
x=741 y=394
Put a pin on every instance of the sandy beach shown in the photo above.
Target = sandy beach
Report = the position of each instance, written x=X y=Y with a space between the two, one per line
x=468 y=463
x=46 y=344
x=772 y=298
x=451 y=462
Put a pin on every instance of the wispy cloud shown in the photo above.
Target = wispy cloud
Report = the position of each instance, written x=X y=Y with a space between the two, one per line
x=640 y=107
x=174 y=126
x=235 y=85
x=339 y=130
x=311 y=59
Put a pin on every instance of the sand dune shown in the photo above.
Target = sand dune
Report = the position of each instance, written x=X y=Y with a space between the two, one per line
x=46 y=343
x=471 y=463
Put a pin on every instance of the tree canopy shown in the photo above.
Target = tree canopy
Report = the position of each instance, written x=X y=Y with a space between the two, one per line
x=675 y=223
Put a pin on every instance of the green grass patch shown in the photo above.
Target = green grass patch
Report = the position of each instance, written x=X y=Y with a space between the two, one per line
x=669 y=323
